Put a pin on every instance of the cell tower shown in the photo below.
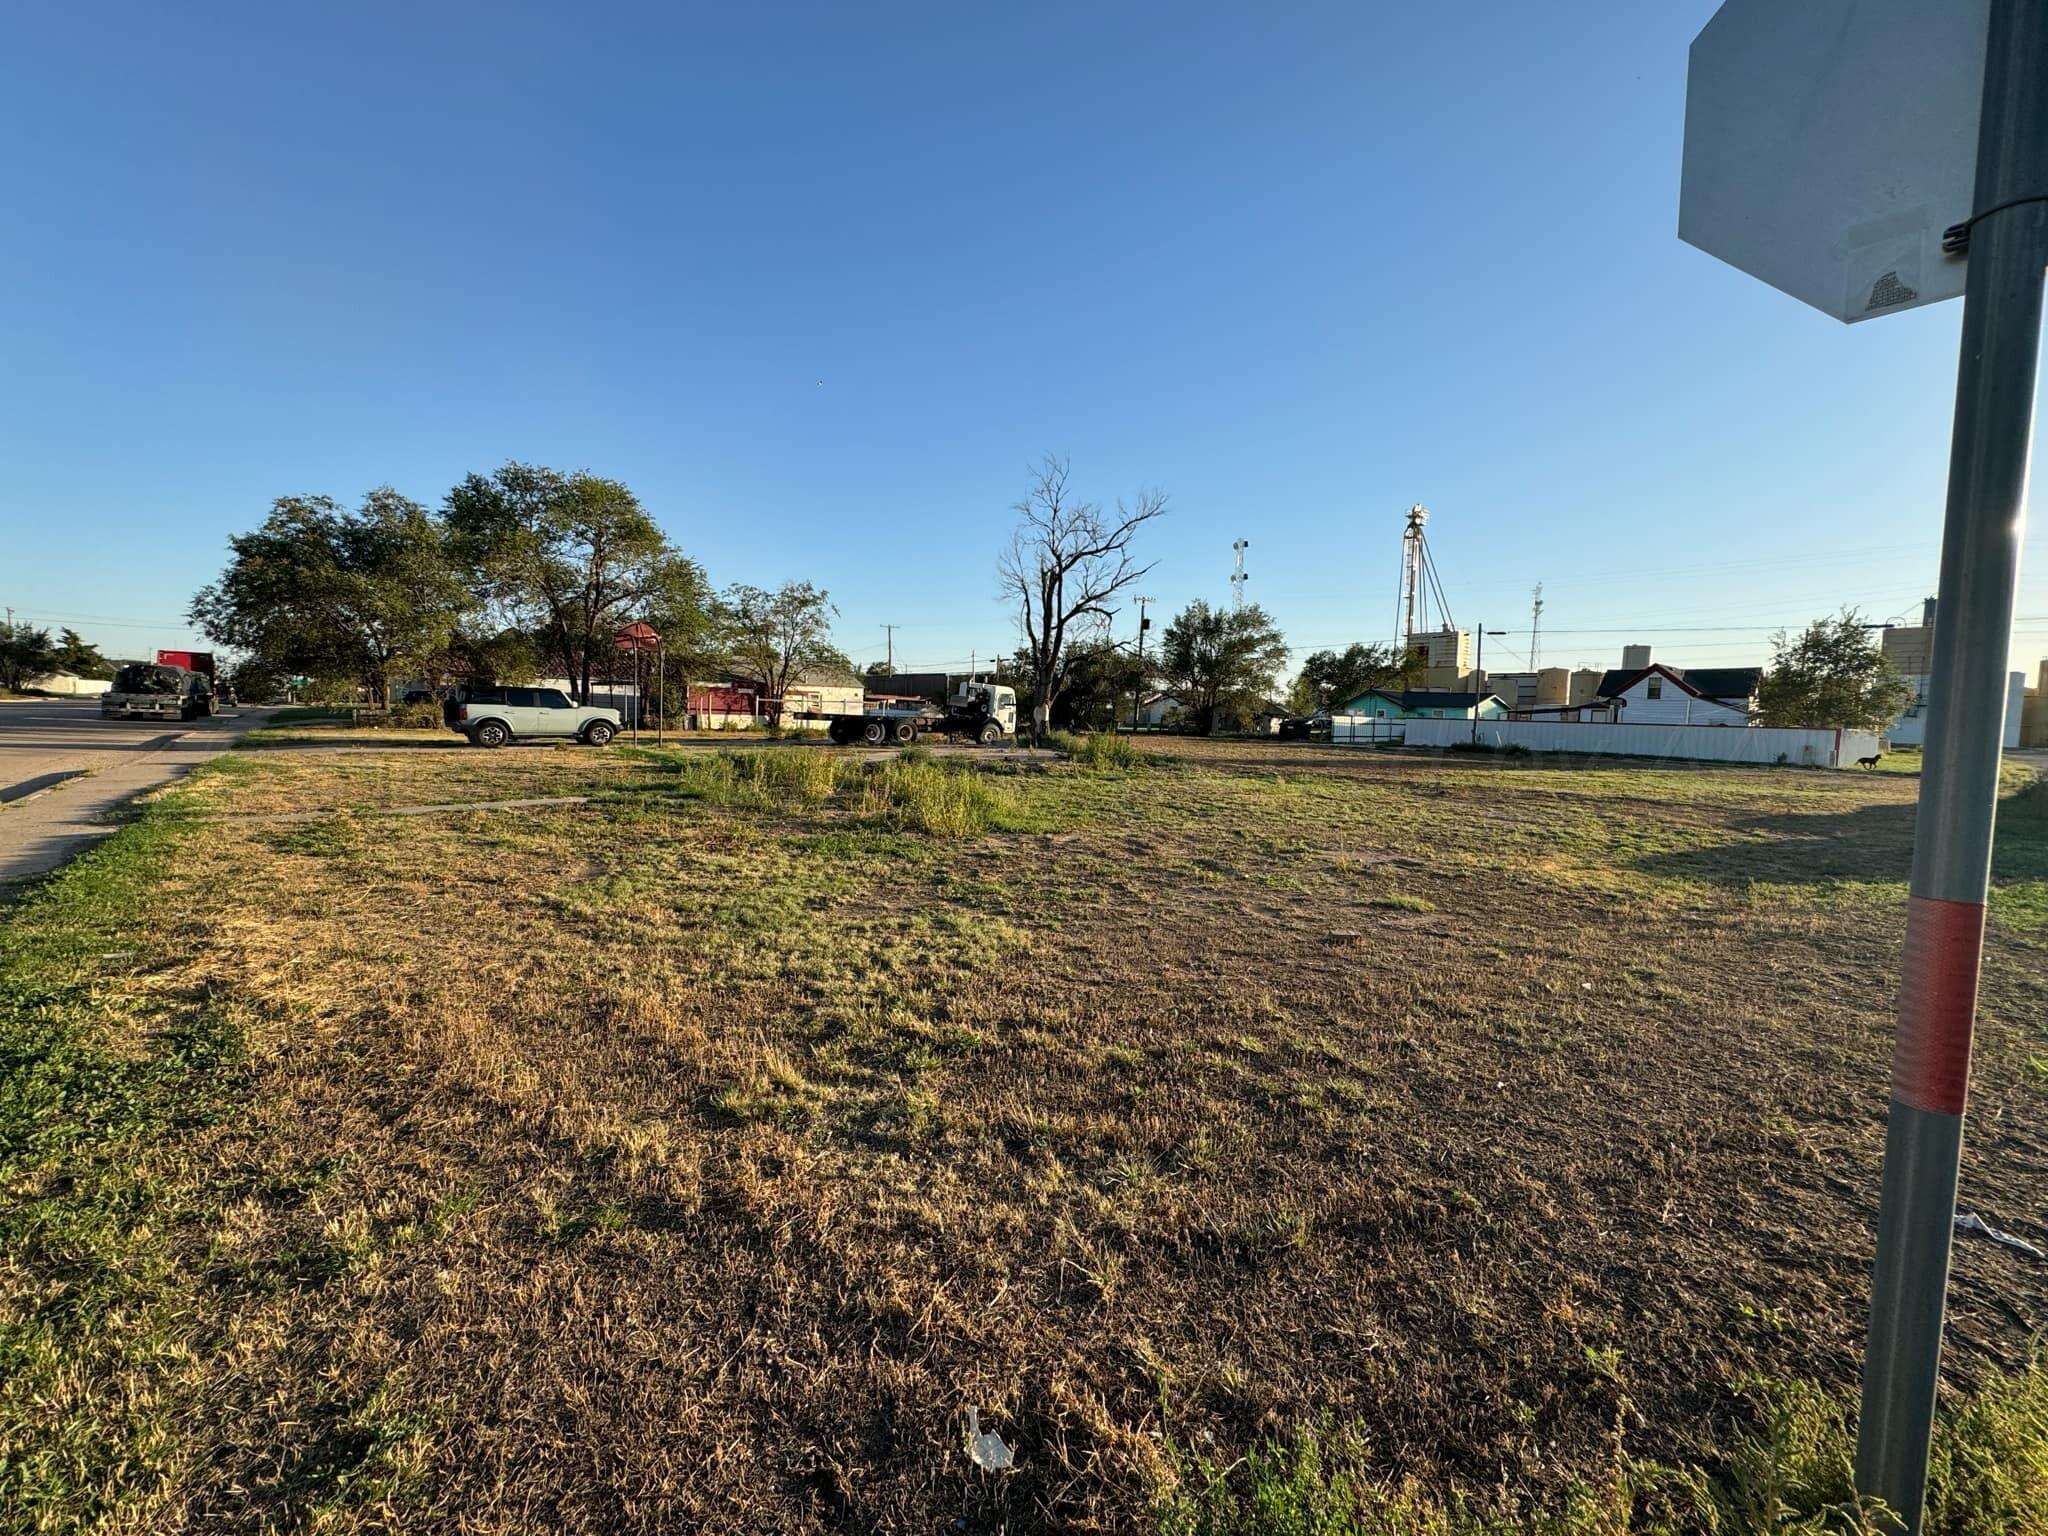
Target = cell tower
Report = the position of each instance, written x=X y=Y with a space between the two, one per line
x=1238 y=577
x=1414 y=562
x=1536 y=631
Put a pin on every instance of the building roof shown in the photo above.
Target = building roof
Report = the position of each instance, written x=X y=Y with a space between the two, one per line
x=1725 y=682
x=1700 y=682
x=1426 y=698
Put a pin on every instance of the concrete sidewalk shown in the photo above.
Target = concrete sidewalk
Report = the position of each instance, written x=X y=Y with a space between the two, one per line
x=39 y=832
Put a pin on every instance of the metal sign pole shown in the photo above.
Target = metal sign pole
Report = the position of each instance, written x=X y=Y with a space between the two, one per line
x=2008 y=251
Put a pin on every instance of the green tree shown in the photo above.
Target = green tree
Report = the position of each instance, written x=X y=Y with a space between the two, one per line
x=1103 y=681
x=777 y=637
x=80 y=659
x=1218 y=660
x=1065 y=562
x=1334 y=678
x=26 y=653
x=1833 y=676
x=359 y=595
x=571 y=559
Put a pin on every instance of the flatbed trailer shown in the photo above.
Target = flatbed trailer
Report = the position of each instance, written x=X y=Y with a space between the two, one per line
x=976 y=711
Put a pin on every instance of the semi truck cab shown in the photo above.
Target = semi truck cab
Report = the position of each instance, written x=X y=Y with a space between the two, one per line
x=992 y=699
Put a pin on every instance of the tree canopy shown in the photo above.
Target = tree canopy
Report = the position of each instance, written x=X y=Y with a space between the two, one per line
x=80 y=659
x=26 y=653
x=1334 y=678
x=777 y=637
x=1832 y=676
x=1220 y=661
x=337 y=594
x=570 y=559
x=1104 y=681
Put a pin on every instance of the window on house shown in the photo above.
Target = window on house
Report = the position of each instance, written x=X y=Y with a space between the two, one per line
x=1656 y=688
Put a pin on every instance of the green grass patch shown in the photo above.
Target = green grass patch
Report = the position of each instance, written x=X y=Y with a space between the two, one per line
x=88 y=1091
x=1401 y=902
x=1789 y=1473
x=2019 y=860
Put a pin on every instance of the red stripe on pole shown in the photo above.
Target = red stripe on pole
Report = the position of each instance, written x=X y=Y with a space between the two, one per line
x=1937 y=1004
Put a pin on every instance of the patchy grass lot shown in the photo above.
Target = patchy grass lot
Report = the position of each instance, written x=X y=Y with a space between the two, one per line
x=1494 y=1137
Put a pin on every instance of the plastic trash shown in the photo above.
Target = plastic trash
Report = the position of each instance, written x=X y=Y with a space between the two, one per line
x=988 y=1451
x=1970 y=1221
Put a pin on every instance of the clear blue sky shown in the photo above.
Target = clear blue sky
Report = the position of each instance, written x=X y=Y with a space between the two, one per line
x=820 y=281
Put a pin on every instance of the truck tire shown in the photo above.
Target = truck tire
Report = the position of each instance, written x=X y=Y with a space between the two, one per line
x=492 y=733
x=840 y=732
x=906 y=732
x=599 y=733
x=875 y=733
x=990 y=734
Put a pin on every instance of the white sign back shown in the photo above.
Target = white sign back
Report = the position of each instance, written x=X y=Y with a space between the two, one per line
x=1828 y=143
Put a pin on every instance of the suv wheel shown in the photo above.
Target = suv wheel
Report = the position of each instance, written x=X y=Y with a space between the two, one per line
x=598 y=733
x=492 y=733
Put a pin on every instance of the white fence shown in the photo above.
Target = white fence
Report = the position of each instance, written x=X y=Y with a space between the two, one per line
x=1702 y=743
x=1364 y=730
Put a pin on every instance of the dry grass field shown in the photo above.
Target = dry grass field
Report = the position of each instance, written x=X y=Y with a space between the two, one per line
x=695 y=1156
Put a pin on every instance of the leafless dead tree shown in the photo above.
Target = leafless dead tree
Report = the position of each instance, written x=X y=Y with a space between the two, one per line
x=1066 y=561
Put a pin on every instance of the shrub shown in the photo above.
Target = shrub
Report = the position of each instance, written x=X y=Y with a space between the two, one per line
x=423 y=716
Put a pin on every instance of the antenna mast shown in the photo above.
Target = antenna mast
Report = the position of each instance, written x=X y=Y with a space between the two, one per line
x=1238 y=577
x=1536 y=631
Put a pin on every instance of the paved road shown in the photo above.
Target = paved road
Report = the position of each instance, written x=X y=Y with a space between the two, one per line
x=63 y=770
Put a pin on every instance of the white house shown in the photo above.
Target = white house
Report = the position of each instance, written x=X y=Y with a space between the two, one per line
x=1661 y=695
x=1157 y=708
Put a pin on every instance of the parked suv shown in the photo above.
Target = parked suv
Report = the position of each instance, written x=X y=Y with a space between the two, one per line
x=490 y=717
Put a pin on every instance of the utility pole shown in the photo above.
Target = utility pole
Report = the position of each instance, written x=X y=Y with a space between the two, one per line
x=2007 y=241
x=1479 y=671
x=1144 y=623
x=890 y=631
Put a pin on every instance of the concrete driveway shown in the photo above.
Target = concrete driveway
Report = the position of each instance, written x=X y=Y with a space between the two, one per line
x=63 y=770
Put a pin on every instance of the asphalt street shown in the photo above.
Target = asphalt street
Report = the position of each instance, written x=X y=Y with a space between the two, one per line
x=64 y=770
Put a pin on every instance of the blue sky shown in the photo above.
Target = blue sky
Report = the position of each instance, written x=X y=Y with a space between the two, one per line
x=820 y=282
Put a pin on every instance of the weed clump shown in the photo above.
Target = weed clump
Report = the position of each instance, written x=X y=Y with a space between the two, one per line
x=928 y=797
x=769 y=780
x=1099 y=751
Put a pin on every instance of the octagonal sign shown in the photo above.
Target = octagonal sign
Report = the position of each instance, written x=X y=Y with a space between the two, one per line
x=1828 y=144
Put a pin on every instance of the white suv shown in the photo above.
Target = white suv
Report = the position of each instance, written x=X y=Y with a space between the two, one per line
x=490 y=717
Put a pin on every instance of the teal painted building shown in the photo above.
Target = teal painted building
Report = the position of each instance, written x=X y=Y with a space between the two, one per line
x=1424 y=704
